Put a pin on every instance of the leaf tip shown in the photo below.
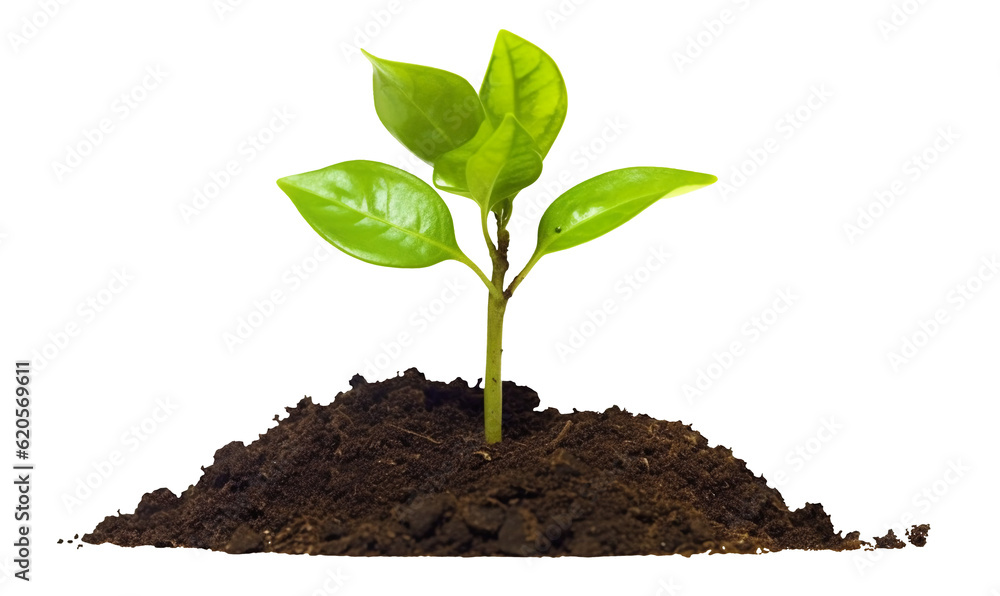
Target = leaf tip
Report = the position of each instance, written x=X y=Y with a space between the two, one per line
x=505 y=35
x=374 y=60
x=285 y=184
x=700 y=179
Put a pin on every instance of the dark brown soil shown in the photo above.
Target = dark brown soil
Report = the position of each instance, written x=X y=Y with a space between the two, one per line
x=400 y=468
x=889 y=541
x=917 y=535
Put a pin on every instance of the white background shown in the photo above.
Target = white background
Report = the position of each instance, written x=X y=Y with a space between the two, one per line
x=896 y=430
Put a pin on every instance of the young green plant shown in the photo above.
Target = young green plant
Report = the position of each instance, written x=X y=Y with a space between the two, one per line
x=486 y=146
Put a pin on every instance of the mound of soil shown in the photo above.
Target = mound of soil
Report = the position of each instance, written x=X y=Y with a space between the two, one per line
x=400 y=467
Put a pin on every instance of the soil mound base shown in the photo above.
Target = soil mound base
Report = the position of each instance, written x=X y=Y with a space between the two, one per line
x=399 y=467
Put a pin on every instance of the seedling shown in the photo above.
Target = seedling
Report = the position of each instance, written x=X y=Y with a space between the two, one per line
x=487 y=147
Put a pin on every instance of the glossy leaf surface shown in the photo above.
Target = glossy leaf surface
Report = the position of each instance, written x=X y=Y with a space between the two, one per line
x=450 y=168
x=524 y=81
x=377 y=213
x=430 y=111
x=508 y=162
x=597 y=206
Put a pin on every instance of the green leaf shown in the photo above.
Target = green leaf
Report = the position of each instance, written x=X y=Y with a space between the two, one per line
x=508 y=162
x=524 y=81
x=377 y=213
x=450 y=168
x=597 y=206
x=430 y=111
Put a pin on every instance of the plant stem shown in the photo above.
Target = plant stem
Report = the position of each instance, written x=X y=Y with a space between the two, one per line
x=493 y=390
x=494 y=289
x=495 y=309
x=486 y=236
x=520 y=276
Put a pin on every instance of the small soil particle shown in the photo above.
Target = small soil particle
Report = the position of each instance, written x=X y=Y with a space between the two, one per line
x=889 y=541
x=399 y=467
x=917 y=535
